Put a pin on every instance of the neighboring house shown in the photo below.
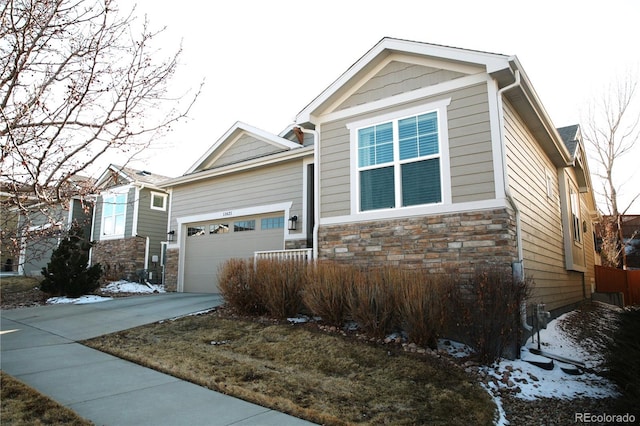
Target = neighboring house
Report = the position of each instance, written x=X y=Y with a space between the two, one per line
x=419 y=155
x=31 y=233
x=129 y=224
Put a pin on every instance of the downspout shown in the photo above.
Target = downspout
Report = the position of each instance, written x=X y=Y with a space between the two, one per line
x=518 y=267
x=316 y=187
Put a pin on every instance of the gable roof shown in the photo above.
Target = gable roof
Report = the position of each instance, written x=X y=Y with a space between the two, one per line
x=464 y=58
x=231 y=136
x=570 y=136
x=116 y=175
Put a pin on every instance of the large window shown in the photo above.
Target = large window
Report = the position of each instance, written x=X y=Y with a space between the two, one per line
x=399 y=163
x=114 y=209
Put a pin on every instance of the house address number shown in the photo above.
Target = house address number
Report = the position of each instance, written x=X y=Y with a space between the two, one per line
x=227 y=213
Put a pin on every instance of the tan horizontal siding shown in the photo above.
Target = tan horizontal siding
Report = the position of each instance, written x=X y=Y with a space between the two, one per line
x=543 y=246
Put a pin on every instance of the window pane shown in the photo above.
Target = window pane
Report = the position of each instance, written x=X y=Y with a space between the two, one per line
x=421 y=183
x=158 y=201
x=377 y=189
x=195 y=230
x=375 y=145
x=108 y=207
x=418 y=136
x=219 y=228
x=428 y=134
x=244 y=225
x=107 y=228
x=272 y=223
x=119 y=225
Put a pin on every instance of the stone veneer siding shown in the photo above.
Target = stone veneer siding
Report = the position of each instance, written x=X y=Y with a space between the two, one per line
x=438 y=242
x=120 y=259
x=171 y=270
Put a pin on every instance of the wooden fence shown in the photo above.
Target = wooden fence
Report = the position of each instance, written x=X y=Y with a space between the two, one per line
x=612 y=280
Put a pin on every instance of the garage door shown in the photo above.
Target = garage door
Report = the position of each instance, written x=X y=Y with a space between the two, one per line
x=210 y=244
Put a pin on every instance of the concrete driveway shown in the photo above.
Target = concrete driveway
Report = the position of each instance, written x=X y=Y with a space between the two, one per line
x=39 y=348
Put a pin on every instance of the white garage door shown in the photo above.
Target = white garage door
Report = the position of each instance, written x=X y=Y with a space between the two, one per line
x=210 y=244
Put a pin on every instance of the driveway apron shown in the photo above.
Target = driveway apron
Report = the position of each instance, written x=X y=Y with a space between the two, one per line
x=39 y=348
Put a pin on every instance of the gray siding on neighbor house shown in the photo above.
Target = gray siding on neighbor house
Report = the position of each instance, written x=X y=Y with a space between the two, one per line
x=470 y=151
x=257 y=187
x=542 y=236
x=395 y=78
x=152 y=224
x=244 y=148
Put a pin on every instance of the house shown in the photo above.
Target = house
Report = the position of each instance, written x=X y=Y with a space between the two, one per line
x=238 y=198
x=129 y=224
x=31 y=232
x=419 y=155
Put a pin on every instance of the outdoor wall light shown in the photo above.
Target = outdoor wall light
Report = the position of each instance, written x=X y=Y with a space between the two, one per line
x=293 y=220
x=170 y=235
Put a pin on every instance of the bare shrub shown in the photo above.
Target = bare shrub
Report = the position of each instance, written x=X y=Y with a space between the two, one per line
x=423 y=305
x=372 y=300
x=279 y=284
x=490 y=306
x=326 y=293
x=237 y=283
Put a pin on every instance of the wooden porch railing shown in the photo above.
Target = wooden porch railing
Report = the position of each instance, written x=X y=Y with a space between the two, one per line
x=305 y=255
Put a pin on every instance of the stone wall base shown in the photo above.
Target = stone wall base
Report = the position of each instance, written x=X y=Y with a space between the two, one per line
x=438 y=243
x=171 y=270
x=120 y=259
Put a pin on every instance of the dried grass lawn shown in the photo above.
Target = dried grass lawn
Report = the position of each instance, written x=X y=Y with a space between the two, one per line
x=21 y=405
x=298 y=369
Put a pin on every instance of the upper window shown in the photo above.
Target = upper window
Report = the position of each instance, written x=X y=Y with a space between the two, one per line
x=399 y=163
x=158 y=201
x=114 y=208
x=575 y=215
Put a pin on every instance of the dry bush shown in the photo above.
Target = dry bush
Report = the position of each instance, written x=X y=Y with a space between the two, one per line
x=279 y=284
x=490 y=309
x=423 y=305
x=237 y=283
x=372 y=300
x=327 y=290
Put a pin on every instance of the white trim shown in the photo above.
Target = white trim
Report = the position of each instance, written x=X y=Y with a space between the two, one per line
x=403 y=98
x=240 y=128
x=164 y=197
x=182 y=222
x=305 y=195
x=109 y=193
x=233 y=168
x=136 y=214
x=497 y=151
x=491 y=61
x=426 y=210
x=440 y=107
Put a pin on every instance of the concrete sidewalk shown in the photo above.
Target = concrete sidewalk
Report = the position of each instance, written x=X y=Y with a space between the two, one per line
x=39 y=348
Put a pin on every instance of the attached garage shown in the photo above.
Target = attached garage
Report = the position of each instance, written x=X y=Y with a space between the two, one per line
x=209 y=244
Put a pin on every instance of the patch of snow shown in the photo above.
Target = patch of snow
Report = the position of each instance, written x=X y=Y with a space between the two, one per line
x=130 y=287
x=300 y=319
x=454 y=349
x=82 y=300
x=528 y=382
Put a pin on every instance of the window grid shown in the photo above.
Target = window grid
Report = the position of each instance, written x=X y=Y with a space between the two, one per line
x=114 y=214
x=272 y=222
x=414 y=160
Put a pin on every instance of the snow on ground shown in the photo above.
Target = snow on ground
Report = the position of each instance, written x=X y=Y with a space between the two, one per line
x=528 y=382
x=113 y=287
x=82 y=300
x=129 y=287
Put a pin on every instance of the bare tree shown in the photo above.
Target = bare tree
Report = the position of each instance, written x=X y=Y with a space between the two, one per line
x=612 y=130
x=78 y=80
